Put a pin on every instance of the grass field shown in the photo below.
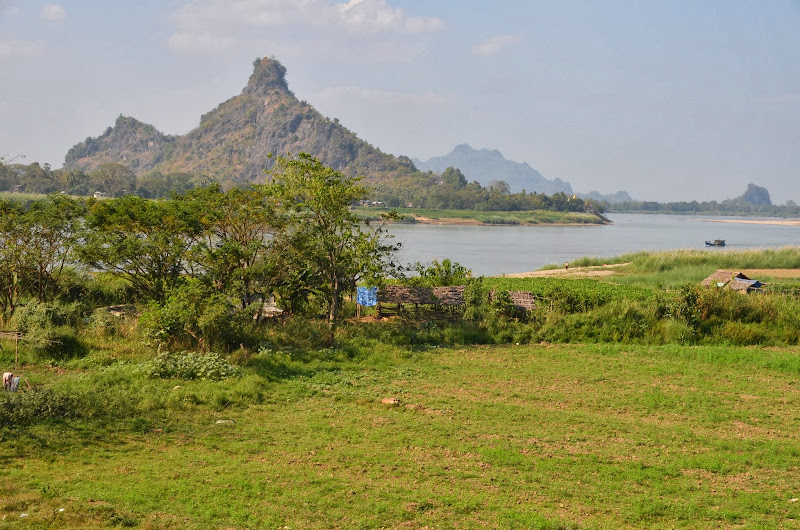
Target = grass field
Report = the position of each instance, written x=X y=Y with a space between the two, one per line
x=537 y=436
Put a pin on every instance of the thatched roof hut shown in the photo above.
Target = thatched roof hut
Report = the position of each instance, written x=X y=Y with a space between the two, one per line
x=721 y=278
x=449 y=295
x=745 y=286
x=399 y=294
x=521 y=299
x=732 y=280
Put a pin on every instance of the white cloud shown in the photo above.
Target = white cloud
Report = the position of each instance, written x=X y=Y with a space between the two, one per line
x=53 y=12
x=374 y=16
x=21 y=48
x=495 y=44
x=204 y=25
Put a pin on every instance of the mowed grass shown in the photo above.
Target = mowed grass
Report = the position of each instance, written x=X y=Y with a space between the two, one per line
x=535 y=436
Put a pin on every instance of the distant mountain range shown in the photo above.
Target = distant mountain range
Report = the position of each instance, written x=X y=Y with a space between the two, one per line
x=486 y=165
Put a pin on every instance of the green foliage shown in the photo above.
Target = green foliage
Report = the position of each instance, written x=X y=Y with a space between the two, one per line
x=145 y=242
x=475 y=299
x=438 y=273
x=189 y=365
x=36 y=405
x=326 y=239
x=50 y=329
x=450 y=191
x=114 y=179
x=194 y=315
x=37 y=241
x=239 y=229
x=489 y=215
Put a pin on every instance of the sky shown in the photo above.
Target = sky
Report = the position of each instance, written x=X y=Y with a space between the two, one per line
x=667 y=100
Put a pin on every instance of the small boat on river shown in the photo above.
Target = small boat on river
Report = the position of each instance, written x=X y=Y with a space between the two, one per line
x=716 y=243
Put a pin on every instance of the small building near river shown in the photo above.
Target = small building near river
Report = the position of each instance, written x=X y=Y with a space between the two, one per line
x=737 y=281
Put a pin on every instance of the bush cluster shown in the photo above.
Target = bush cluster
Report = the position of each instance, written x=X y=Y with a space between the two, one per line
x=189 y=365
x=22 y=408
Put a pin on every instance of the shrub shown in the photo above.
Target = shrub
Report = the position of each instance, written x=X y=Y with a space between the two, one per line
x=438 y=273
x=193 y=315
x=50 y=328
x=189 y=365
x=22 y=408
x=743 y=334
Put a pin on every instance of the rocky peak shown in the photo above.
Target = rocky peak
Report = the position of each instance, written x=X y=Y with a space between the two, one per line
x=268 y=75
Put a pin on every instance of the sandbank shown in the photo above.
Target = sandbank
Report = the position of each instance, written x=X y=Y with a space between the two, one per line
x=778 y=222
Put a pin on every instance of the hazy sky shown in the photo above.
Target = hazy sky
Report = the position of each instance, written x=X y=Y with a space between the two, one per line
x=665 y=99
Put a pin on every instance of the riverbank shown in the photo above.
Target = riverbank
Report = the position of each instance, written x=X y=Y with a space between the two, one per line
x=475 y=218
x=572 y=272
x=775 y=222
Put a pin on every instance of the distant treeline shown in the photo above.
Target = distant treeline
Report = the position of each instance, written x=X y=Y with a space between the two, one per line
x=111 y=179
x=451 y=191
x=447 y=191
x=790 y=209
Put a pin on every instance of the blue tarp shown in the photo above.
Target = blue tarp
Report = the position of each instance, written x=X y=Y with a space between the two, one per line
x=367 y=296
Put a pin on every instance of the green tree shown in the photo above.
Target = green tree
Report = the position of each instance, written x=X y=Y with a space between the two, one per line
x=12 y=242
x=239 y=226
x=453 y=178
x=332 y=246
x=36 y=243
x=145 y=242
x=51 y=227
x=114 y=179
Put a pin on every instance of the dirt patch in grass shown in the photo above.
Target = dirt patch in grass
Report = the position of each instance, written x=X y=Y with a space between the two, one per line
x=774 y=273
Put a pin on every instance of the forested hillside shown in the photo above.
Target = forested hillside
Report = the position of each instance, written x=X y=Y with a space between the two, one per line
x=233 y=142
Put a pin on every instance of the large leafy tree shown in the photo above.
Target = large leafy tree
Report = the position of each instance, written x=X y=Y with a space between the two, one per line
x=52 y=228
x=238 y=228
x=12 y=268
x=114 y=179
x=36 y=244
x=146 y=242
x=327 y=249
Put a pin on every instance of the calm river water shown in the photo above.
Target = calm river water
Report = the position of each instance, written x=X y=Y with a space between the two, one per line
x=496 y=250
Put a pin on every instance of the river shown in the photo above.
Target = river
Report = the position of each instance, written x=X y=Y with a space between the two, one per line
x=504 y=249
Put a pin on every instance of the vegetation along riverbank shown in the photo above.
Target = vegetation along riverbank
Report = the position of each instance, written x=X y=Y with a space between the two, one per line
x=200 y=362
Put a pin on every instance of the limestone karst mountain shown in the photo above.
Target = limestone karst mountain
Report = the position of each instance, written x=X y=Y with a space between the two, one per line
x=233 y=142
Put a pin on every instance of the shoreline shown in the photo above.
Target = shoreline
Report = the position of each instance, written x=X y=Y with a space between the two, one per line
x=475 y=222
x=776 y=222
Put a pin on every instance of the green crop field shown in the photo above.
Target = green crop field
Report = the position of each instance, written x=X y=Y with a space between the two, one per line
x=535 y=436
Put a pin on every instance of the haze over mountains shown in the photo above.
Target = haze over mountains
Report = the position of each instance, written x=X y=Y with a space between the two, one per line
x=486 y=165
x=233 y=142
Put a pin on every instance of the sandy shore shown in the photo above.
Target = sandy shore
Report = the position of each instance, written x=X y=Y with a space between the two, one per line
x=779 y=222
x=606 y=270
x=572 y=272
x=474 y=222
